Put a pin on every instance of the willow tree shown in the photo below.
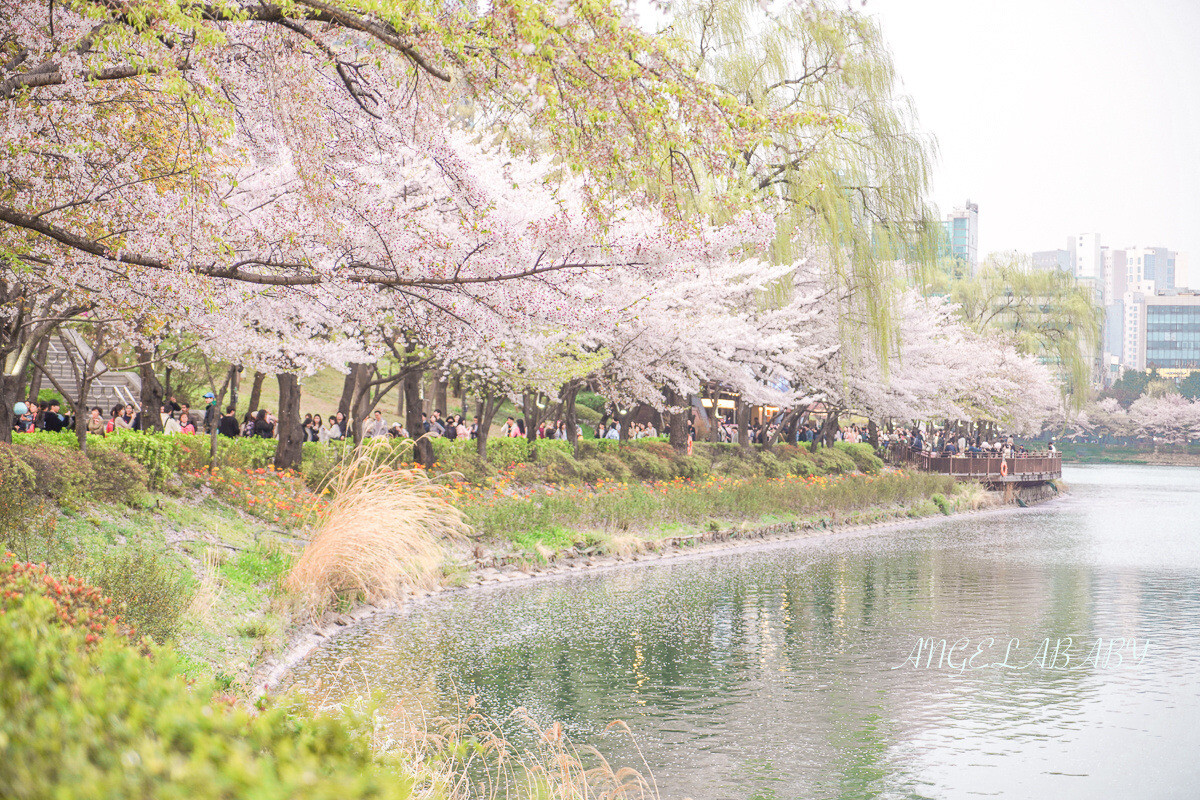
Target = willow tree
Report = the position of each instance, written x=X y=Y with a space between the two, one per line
x=1045 y=313
x=843 y=159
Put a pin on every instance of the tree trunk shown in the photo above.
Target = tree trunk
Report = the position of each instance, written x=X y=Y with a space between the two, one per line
x=873 y=434
x=10 y=390
x=742 y=411
x=348 y=387
x=35 y=379
x=714 y=415
x=529 y=412
x=830 y=428
x=439 y=394
x=487 y=412
x=360 y=400
x=567 y=395
x=230 y=383
x=422 y=448
x=152 y=392
x=256 y=392
x=678 y=419
x=288 y=453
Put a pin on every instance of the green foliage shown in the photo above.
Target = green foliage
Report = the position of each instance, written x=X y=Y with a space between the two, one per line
x=863 y=455
x=107 y=722
x=162 y=456
x=48 y=395
x=246 y=452
x=26 y=520
x=64 y=438
x=257 y=567
x=506 y=449
x=1046 y=313
x=117 y=477
x=320 y=461
x=591 y=401
x=646 y=465
x=831 y=460
x=543 y=447
x=697 y=502
x=689 y=467
x=941 y=502
x=152 y=588
x=61 y=474
x=1189 y=387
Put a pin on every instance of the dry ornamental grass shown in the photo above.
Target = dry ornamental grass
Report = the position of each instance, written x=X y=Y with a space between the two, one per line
x=384 y=529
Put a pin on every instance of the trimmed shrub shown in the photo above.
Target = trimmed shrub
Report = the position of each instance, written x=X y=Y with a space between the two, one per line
x=63 y=438
x=61 y=474
x=646 y=465
x=116 y=477
x=863 y=454
x=656 y=447
x=543 y=447
x=245 y=453
x=502 y=450
x=770 y=466
x=689 y=467
x=833 y=460
x=603 y=467
x=161 y=455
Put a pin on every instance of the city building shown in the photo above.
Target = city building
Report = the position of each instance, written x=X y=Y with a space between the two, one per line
x=1161 y=330
x=962 y=235
x=1114 y=266
x=1086 y=255
x=1150 y=264
x=1062 y=260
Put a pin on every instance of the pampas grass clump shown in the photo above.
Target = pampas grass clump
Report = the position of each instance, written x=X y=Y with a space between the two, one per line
x=384 y=529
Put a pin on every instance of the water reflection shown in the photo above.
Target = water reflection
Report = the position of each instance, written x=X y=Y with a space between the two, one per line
x=782 y=672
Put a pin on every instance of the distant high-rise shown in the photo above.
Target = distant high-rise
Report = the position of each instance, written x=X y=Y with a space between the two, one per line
x=1154 y=265
x=1115 y=270
x=1085 y=249
x=1046 y=260
x=962 y=233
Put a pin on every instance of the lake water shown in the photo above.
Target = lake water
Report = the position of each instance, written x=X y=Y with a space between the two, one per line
x=802 y=670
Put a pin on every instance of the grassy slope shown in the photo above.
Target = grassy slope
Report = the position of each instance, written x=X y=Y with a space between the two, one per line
x=234 y=563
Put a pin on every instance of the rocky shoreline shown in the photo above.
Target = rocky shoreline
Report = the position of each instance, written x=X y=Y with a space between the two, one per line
x=490 y=570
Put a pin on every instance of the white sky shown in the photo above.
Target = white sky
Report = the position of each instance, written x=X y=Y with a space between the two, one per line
x=1059 y=116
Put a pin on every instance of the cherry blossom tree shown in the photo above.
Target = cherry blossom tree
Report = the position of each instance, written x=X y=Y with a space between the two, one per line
x=1169 y=417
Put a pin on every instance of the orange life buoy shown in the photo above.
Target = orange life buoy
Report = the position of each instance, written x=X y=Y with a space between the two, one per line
x=1004 y=468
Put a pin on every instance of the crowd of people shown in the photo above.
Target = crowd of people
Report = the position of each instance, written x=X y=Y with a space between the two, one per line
x=947 y=442
x=180 y=418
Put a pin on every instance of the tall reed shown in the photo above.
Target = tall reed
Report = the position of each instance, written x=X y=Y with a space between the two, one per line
x=384 y=529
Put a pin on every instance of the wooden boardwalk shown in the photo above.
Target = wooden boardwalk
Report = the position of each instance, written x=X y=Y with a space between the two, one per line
x=985 y=469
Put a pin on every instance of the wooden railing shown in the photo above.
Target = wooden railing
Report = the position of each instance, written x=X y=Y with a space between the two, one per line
x=985 y=468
